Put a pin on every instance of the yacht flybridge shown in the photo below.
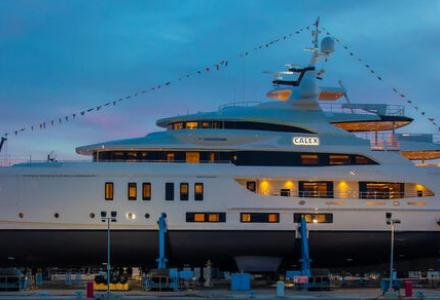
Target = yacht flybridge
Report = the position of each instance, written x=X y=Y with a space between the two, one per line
x=234 y=184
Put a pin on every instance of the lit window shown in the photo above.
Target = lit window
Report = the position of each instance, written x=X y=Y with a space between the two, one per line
x=313 y=218
x=184 y=190
x=272 y=218
x=146 y=191
x=198 y=191
x=245 y=218
x=191 y=125
x=212 y=157
x=309 y=159
x=192 y=157
x=178 y=125
x=206 y=217
x=213 y=217
x=259 y=217
x=205 y=125
x=199 y=217
x=170 y=157
x=108 y=191
x=316 y=189
x=339 y=159
x=132 y=191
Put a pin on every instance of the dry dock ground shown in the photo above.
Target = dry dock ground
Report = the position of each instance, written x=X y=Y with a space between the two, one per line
x=267 y=293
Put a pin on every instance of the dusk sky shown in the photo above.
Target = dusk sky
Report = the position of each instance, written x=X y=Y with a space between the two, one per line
x=61 y=57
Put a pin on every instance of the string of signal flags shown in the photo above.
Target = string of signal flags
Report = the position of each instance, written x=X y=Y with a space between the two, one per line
x=218 y=66
x=379 y=77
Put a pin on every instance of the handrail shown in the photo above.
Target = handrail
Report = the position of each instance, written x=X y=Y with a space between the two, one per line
x=346 y=195
x=389 y=109
x=238 y=104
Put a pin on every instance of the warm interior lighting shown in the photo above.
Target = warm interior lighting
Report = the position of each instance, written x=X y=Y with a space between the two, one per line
x=309 y=159
x=199 y=217
x=192 y=157
x=364 y=126
x=288 y=184
x=213 y=217
x=264 y=187
x=191 y=125
x=282 y=95
x=170 y=157
x=245 y=217
x=343 y=189
x=272 y=218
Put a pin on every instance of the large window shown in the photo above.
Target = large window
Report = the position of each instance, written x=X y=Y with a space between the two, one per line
x=108 y=191
x=248 y=217
x=313 y=217
x=241 y=158
x=169 y=191
x=132 y=191
x=243 y=125
x=198 y=191
x=381 y=190
x=206 y=217
x=184 y=190
x=146 y=191
x=315 y=189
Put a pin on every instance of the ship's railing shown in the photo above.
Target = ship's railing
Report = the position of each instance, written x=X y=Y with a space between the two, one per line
x=381 y=141
x=364 y=108
x=354 y=194
x=35 y=163
x=238 y=104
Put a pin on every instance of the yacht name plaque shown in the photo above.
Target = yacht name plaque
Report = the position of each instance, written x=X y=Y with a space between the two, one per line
x=305 y=141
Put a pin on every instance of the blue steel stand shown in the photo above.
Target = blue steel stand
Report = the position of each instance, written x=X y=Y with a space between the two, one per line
x=305 y=256
x=162 y=260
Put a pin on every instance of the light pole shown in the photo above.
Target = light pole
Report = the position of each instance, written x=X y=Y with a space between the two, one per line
x=392 y=223
x=108 y=219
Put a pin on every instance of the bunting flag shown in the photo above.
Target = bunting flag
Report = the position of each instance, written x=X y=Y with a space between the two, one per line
x=218 y=66
x=396 y=91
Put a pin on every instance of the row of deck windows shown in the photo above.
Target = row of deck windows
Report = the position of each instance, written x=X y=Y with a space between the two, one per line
x=325 y=189
x=132 y=191
x=253 y=217
x=243 y=125
x=245 y=158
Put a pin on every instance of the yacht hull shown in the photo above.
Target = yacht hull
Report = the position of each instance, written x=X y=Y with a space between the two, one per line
x=329 y=249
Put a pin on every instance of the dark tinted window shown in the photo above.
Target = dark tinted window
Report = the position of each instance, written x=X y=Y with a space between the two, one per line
x=169 y=191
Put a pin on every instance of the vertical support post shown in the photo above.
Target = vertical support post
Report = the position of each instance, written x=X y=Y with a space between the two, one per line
x=108 y=257
x=305 y=256
x=161 y=260
x=391 y=257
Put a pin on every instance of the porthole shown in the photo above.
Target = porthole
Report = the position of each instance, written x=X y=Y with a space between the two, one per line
x=302 y=202
x=56 y=215
x=131 y=216
x=147 y=216
x=92 y=215
x=20 y=215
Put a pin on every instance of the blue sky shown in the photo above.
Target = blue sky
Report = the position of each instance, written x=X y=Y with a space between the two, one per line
x=59 y=57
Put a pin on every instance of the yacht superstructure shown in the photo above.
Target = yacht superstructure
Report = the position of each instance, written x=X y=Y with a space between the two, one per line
x=234 y=184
